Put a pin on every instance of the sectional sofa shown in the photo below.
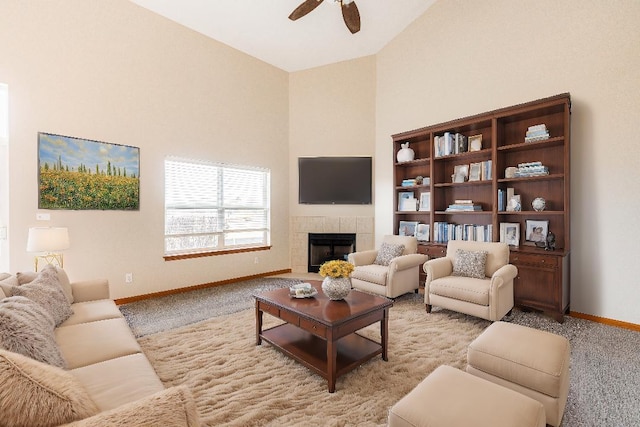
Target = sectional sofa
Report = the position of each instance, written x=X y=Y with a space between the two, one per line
x=67 y=355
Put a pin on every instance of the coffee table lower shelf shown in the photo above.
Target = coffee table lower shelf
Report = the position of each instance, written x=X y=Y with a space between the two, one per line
x=352 y=350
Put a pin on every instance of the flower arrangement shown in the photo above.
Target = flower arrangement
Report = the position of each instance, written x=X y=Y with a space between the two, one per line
x=336 y=268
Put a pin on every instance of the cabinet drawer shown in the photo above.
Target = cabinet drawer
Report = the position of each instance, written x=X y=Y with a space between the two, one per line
x=547 y=261
x=290 y=317
x=433 y=251
x=269 y=309
x=313 y=327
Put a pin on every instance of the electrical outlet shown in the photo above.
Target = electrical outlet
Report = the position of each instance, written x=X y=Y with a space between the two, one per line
x=128 y=278
x=256 y=260
x=43 y=217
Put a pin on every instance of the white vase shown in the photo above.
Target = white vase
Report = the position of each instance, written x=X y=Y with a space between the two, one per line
x=336 y=288
x=405 y=154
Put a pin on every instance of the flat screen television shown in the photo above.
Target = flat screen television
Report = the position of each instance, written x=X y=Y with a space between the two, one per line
x=335 y=180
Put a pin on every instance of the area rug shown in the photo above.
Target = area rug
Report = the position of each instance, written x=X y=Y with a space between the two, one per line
x=237 y=383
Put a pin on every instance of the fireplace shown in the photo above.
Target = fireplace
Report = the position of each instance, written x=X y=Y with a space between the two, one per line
x=329 y=246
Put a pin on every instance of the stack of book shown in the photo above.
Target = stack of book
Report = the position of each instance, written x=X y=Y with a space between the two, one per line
x=463 y=206
x=537 y=133
x=531 y=169
x=450 y=143
x=408 y=182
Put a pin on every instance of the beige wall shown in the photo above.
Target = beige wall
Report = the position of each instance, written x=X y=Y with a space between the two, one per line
x=112 y=71
x=464 y=57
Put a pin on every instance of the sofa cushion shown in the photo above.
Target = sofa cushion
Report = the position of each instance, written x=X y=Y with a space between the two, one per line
x=45 y=289
x=26 y=328
x=118 y=381
x=25 y=277
x=470 y=263
x=371 y=273
x=90 y=311
x=171 y=407
x=35 y=393
x=87 y=343
x=462 y=288
x=387 y=252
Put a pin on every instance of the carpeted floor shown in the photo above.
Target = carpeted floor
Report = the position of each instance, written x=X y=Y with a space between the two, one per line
x=237 y=383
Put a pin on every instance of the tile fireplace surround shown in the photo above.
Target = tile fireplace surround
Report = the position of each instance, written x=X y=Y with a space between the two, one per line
x=301 y=226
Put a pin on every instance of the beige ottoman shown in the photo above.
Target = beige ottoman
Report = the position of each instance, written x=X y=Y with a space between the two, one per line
x=527 y=360
x=449 y=397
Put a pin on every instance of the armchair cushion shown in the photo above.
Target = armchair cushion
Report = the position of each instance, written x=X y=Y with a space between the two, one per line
x=371 y=273
x=462 y=288
x=387 y=252
x=470 y=263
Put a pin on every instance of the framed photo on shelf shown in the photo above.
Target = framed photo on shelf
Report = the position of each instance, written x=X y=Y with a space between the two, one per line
x=510 y=233
x=536 y=231
x=425 y=201
x=407 y=228
x=475 y=171
x=460 y=173
x=422 y=232
x=405 y=195
x=475 y=142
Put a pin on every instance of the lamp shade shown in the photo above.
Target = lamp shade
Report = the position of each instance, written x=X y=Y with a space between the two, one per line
x=47 y=239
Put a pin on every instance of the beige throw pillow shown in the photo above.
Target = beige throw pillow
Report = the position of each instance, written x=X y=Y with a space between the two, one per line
x=27 y=328
x=7 y=284
x=36 y=394
x=45 y=289
x=470 y=263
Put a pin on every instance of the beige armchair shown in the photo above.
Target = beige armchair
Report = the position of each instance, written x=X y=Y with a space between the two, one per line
x=462 y=282
x=390 y=271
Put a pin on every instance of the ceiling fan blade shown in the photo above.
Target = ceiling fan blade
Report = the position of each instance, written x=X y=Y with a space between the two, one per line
x=351 y=16
x=304 y=8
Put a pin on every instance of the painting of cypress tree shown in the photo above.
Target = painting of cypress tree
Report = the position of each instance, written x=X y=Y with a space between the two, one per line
x=82 y=174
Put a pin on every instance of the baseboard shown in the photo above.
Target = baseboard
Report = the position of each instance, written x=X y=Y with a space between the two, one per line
x=128 y=300
x=604 y=320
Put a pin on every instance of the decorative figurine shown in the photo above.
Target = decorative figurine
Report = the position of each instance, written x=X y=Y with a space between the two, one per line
x=551 y=242
x=539 y=204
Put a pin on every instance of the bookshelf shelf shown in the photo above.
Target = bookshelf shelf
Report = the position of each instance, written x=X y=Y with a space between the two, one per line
x=443 y=149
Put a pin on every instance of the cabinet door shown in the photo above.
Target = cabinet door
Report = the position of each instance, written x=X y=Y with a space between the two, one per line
x=536 y=287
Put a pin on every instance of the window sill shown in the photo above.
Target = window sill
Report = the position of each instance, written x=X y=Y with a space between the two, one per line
x=215 y=253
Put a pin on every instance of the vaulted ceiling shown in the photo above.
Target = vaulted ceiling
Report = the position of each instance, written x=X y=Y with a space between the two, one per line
x=261 y=28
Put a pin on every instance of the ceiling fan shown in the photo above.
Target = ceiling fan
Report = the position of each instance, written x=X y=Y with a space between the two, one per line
x=350 y=12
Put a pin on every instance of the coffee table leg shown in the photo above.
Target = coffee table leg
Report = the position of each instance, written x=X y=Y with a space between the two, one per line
x=384 y=332
x=258 y=325
x=332 y=354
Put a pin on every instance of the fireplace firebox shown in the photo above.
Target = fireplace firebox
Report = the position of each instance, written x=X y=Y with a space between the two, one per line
x=325 y=247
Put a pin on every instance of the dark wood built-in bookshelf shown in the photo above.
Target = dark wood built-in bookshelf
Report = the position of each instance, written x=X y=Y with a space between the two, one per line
x=543 y=275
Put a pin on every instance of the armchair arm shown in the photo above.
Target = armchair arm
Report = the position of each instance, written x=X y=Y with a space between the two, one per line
x=437 y=268
x=407 y=261
x=90 y=290
x=504 y=274
x=363 y=257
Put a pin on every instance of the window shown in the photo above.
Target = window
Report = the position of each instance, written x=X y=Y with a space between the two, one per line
x=212 y=207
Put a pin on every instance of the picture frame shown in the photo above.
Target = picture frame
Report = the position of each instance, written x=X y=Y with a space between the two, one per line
x=425 y=201
x=403 y=205
x=510 y=233
x=475 y=171
x=83 y=174
x=423 y=232
x=460 y=173
x=475 y=142
x=407 y=228
x=408 y=205
x=536 y=231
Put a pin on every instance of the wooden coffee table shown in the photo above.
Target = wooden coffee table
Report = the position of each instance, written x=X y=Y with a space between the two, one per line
x=320 y=333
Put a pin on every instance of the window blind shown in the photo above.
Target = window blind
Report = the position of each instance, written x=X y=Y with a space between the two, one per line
x=213 y=206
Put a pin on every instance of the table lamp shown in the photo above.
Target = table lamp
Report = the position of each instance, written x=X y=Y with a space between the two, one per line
x=48 y=242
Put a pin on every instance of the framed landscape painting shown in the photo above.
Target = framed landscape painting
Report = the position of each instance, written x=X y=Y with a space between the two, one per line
x=81 y=174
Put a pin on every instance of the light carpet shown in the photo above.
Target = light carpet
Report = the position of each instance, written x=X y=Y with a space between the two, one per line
x=237 y=383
